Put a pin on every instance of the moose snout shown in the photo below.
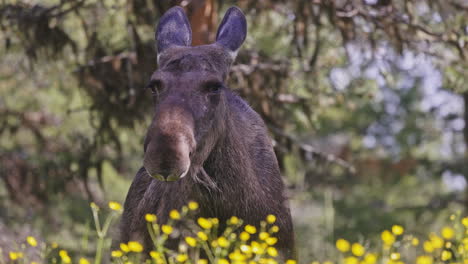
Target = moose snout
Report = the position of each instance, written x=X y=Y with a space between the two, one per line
x=167 y=159
x=171 y=142
x=168 y=175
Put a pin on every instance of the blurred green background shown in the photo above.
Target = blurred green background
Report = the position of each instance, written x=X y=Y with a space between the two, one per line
x=365 y=101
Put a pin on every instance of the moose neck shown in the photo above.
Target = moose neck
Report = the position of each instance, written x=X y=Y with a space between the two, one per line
x=230 y=167
x=228 y=161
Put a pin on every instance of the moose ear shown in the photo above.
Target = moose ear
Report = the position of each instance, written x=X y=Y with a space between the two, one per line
x=232 y=31
x=173 y=29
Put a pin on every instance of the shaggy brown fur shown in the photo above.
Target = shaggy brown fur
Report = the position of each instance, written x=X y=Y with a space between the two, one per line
x=201 y=125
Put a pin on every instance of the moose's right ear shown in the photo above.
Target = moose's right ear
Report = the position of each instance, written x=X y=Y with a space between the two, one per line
x=232 y=31
x=173 y=29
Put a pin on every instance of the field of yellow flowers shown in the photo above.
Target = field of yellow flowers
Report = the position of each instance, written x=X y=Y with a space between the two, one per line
x=241 y=243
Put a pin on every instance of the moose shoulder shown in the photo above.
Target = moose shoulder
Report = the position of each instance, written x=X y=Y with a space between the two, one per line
x=204 y=143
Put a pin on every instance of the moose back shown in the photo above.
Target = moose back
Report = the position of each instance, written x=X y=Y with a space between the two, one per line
x=205 y=143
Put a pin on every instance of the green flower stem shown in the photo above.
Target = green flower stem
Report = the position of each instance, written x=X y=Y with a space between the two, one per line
x=96 y=220
x=101 y=232
x=209 y=254
x=108 y=222
x=100 y=246
x=151 y=232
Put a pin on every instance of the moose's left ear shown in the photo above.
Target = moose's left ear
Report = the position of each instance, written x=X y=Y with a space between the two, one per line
x=173 y=30
x=232 y=31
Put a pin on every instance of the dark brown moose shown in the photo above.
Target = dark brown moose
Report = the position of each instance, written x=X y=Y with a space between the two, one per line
x=205 y=143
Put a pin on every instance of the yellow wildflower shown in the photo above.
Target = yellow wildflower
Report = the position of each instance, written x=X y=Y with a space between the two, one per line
x=31 y=241
x=446 y=255
x=215 y=221
x=83 y=261
x=257 y=248
x=266 y=261
x=151 y=218
x=214 y=243
x=461 y=250
x=94 y=206
x=202 y=236
x=135 y=246
x=191 y=241
x=234 y=220
x=428 y=247
x=414 y=241
x=370 y=258
x=290 y=261
x=464 y=246
x=246 y=249
x=437 y=242
x=263 y=235
x=351 y=260
x=115 y=206
x=223 y=261
x=424 y=260
x=155 y=254
x=181 y=257
x=448 y=232
x=272 y=251
x=174 y=214
x=223 y=242
x=202 y=261
x=237 y=256
x=395 y=256
x=193 y=205
x=397 y=230
x=167 y=229
x=271 y=240
x=244 y=236
x=342 y=245
x=358 y=250
x=64 y=256
x=388 y=238
x=54 y=245
x=274 y=229
x=116 y=253
x=250 y=229
x=124 y=247
x=271 y=219
x=205 y=223
x=15 y=255
x=465 y=221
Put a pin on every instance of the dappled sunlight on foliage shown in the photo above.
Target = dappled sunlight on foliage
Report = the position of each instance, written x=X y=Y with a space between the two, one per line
x=365 y=101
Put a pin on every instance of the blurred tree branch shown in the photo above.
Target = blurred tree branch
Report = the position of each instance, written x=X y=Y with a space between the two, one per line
x=110 y=49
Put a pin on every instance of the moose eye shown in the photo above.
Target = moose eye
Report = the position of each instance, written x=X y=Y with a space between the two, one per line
x=155 y=86
x=213 y=87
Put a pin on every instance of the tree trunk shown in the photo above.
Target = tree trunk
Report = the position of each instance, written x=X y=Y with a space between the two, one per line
x=203 y=18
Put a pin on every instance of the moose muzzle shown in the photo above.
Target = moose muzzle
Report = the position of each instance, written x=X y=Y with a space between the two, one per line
x=171 y=142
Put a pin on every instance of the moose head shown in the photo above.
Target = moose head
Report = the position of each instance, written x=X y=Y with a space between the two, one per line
x=190 y=94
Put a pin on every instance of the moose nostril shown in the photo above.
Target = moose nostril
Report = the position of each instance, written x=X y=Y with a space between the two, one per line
x=164 y=174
